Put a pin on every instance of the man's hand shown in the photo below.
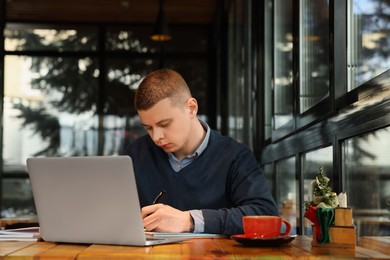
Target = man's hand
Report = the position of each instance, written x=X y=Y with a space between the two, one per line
x=164 y=218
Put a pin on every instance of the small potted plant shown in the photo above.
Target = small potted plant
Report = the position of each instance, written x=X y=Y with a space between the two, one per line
x=320 y=210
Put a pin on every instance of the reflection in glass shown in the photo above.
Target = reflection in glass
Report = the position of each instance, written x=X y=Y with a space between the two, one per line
x=367 y=181
x=311 y=162
x=368 y=40
x=314 y=53
x=287 y=192
x=283 y=67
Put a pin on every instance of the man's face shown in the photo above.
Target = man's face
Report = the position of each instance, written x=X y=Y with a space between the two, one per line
x=169 y=126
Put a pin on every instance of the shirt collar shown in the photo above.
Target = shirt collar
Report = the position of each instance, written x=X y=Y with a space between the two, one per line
x=201 y=147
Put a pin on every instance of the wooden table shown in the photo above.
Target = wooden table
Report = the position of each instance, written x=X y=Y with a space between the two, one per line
x=198 y=248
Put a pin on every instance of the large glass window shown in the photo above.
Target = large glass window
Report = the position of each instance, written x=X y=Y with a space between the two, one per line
x=283 y=62
x=368 y=40
x=314 y=53
x=67 y=94
x=311 y=162
x=287 y=188
x=315 y=101
x=367 y=181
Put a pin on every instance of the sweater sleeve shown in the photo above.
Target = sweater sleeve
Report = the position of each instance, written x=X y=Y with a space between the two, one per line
x=249 y=195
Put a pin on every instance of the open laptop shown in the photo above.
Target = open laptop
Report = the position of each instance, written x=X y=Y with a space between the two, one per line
x=90 y=199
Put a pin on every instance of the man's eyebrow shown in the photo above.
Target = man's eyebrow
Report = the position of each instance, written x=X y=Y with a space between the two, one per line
x=159 y=122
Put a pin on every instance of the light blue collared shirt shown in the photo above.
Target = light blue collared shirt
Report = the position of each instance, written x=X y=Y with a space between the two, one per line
x=177 y=165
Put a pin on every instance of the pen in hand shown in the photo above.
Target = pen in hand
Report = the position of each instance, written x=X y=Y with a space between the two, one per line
x=159 y=197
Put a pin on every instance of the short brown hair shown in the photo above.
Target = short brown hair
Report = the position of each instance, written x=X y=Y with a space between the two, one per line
x=158 y=85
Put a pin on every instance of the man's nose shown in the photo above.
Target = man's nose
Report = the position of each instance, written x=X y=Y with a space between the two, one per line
x=158 y=133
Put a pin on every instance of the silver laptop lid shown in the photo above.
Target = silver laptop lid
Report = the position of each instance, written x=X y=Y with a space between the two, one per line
x=90 y=199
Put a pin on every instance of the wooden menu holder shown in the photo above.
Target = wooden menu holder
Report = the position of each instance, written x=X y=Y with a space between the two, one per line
x=342 y=233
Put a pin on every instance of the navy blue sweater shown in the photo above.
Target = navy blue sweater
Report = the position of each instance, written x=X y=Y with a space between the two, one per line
x=225 y=182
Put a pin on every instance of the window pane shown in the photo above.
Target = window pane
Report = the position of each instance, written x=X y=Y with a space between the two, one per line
x=311 y=162
x=283 y=73
x=137 y=39
x=17 y=199
x=288 y=192
x=122 y=80
x=367 y=181
x=314 y=53
x=122 y=125
x=368 y=40
x=49 y=108
x=24 y=37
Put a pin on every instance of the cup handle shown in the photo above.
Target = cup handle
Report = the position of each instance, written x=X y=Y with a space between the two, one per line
x=288 y=228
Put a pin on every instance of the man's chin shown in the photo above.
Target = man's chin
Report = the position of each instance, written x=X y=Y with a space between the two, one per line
x=168 y=149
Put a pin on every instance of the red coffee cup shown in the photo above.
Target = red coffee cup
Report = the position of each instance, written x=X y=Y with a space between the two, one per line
x=265 y=226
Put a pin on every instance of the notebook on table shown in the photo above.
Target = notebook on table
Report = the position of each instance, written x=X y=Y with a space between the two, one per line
x=90 y=199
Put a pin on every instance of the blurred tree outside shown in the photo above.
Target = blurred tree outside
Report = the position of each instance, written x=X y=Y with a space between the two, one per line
x=67 y=69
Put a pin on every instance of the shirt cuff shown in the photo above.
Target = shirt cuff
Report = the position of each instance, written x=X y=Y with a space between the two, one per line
x=197 y=215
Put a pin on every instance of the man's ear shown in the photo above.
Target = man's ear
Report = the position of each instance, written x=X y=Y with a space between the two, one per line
x=192 y=106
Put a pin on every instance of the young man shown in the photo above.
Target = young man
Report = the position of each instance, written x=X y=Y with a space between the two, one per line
x=210 y=180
